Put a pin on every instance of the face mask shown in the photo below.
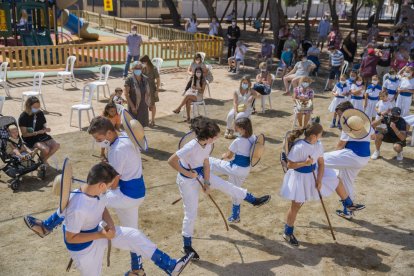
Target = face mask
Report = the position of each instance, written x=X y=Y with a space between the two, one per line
x=359 y=82
x=35 y=110
x=305 y=84
x=263 y=70
x=407 y=74
x=233 y=24
x=392 y=76
x=198 y=75
x=134 y=32
x=137 y=72
x=343 y=82
x=352 y=78
x=289 y=50
x=104 y=144
x=352 y=36
x=244 y=86
x=374 y=82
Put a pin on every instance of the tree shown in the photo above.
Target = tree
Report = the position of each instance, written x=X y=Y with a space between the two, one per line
x=244 y=15
x=379 y=6
x=277 y=17
x=307 y=24
x=208 y=4
x=261 y=8
x=356 y=7
x=334 y=14
x=174 y=13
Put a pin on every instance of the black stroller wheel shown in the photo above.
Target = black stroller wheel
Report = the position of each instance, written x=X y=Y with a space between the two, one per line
x=42 y=172
x=15 y=184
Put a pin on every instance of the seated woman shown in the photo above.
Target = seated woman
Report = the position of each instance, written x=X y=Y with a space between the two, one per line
x=194 y=94
x=197 y=63
x=303 y=98
x=239 y=54
x=302 y=69
x=32 y=123
x=242 y=105
x=286 y=60
x=263 y=80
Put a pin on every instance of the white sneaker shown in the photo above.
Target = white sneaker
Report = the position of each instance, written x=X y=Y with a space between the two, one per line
x=400 y=156
x=375 y=155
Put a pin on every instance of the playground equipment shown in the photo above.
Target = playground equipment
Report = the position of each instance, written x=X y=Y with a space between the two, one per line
x=31 y=21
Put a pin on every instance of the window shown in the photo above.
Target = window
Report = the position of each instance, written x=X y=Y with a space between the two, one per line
x=150 y=3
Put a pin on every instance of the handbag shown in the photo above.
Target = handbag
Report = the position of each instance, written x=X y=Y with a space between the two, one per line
x=303 y=106
x=241 y=108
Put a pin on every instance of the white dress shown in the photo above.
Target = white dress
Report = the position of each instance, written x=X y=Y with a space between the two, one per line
x=357 y=101
x=391 y=85
x=300 y=186
x=342 y=91
x=404 y=98
x=373 y=97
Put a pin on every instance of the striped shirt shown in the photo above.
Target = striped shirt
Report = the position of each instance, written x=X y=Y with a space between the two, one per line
x=336 y=58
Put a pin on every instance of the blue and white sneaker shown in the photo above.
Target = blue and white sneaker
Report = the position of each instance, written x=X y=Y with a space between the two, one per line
x=344 y=215
x=234 y=219
x=181 y=264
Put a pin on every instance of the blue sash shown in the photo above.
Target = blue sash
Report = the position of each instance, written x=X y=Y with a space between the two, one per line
x=406 y=94
x=373 y=98
x=306 y=169
x=241 y=161
x=199 y=170
x=356 y=97
x=340 y=97
x=391 y=92
x=134 y=188
x=359 y=148
x=78 y=246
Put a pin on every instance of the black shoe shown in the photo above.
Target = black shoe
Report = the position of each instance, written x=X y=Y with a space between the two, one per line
x=230 y=69
x=188 y=250
x=291 y=239
x=261 y=200
x=355 y=207
x=234 y=71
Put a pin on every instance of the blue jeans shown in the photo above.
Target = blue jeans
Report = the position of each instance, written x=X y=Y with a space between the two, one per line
x=128 y=62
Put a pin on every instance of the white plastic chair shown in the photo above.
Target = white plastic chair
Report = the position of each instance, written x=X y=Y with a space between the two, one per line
x=36 y=90
x=3 y=77
x=410 y=120
x=264 y=97
x=343 y=71
x=2 y=100
x=103 y=81
x=62 y=75
x=238 y=64
x=203 y=55
x=85 y=105
x=196 y=105
x=209 y=69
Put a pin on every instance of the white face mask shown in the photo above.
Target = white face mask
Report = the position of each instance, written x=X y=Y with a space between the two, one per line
x=374 y=82
x=263 y=70
x=392 y=76
x=244 y=86
x=359 y=82
x=233 y=24
x=134 y=32
x=198 y=75
x=343 y=82
x=407 y=74
x=104 y=144
x=35 y=110
x=305 y=84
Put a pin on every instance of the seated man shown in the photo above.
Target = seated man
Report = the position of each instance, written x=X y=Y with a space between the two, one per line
x=313 y=55
x=396 y=132
x=266 y=53
x=239 y=54
x=301 y=69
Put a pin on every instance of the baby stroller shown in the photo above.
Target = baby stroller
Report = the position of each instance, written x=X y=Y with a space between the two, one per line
x=16 y=167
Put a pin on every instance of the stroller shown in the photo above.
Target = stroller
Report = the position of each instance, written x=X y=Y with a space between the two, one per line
x=16 y=167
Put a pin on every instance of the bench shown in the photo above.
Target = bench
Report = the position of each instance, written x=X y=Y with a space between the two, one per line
x=167 y=17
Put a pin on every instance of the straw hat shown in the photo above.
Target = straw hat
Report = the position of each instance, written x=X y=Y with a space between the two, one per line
x=257 y=150
x=355 y=123
x=62 y=184
x=134 y=130
x=187 y=138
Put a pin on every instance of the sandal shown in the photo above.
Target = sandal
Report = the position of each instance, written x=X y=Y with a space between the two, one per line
x=176 y=111
x=36 y=225
x=139 y=272
x=151 y=124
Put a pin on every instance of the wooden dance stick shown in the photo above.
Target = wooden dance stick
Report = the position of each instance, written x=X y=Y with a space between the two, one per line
x=211 y=198
x=323 y=205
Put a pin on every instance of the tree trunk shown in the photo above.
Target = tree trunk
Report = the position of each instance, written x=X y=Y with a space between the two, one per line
x=277 y=18
x=307 y=23
x=174 y=13
x=244 y=15
x=379 y=7
x=208 y=4
x=334 y=14
x=398 y=14
x=260 y=12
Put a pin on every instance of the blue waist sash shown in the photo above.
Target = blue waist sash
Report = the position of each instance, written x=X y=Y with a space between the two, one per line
x=199 y=170
x=340 y=97
x=78 y=246
x=373 y=98
x=134 y=188
x=241 y=161
x=359 y=148
x=306 y=169
x=391 y=92
x=356 y=97
x=406 y=94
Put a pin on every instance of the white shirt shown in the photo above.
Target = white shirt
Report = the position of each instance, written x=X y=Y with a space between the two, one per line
x=354 y=86
x=193 y=154
x=242 y=99
x=240 y=52
x=382 y=106
x=391 y=85
x=301 y=150
x=341 y=91
x=314 y=51
x=242 y=146
x=373 y=91
x=214 y=28
x=124 y=156
x=407 y=83
x=83 y=212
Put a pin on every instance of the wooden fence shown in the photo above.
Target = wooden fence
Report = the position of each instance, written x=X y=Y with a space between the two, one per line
x=52 y=57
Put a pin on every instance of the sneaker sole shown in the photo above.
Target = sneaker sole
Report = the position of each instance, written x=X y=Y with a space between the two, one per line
x=30 y=227
x=341 y=214
x=264 y=202
x=190 y=258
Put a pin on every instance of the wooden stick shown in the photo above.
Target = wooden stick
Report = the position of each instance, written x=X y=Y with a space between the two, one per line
x=323 y=205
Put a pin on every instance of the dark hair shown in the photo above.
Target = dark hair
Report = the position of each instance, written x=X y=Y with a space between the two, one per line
x=245 y=124
x=148 y=61
x=204 y=128
x=198 y=55
x=29 y=102
x=108 y=106
x=100 y=125
x=195 y=78
x=101 y=172
x=344 y=106
x=311 y=129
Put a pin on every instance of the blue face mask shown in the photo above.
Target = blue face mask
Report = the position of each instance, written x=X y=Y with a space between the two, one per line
x=35 y=110
x=245 y=86
x=137 y=72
